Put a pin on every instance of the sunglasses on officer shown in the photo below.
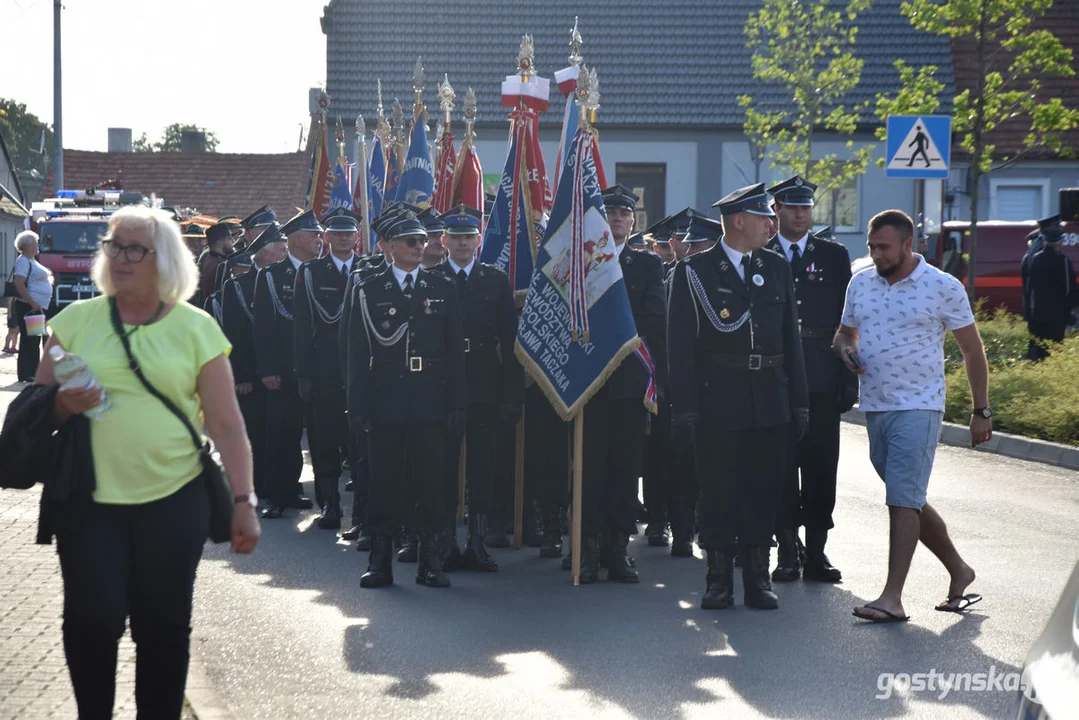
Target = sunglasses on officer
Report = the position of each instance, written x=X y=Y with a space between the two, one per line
x=412 y=240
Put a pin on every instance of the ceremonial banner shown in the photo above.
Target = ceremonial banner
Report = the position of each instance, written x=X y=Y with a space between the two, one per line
x=376 y=174
x=577 y=325
x=567 y=84
x=447 y=165
x=508 y=241
x=468 y=180
x=417 y=183
x=393 y=173
x=320 y=186
x=341 y=195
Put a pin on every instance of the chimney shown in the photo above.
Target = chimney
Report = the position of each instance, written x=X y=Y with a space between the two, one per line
x=119 y=140
x=191 y=141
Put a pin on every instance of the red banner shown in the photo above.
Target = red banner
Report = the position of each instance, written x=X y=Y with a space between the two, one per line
x=447 y=164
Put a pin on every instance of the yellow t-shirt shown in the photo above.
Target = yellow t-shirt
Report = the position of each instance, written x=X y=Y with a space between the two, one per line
x=142 y=452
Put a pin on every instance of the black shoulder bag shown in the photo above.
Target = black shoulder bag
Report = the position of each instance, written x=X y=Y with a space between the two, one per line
x=9 y=285
x=213 y=474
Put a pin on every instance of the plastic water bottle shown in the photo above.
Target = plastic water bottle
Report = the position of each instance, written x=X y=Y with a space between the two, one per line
x=72 y=372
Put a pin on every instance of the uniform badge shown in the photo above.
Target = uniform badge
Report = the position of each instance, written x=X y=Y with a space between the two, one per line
x=423 y=283
x=723 y=265
x=724 y=313
x=392 y=311
x=760 y=263
x=758 y=280
x=427 y=311
x=809 y=247
x=385 y=324
x=628 y=259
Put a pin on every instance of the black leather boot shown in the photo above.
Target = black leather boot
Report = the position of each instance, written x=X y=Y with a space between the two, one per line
x=719 y=594
x=532 y=534
x=380 y=563
x=449 y=550
x=817 y=566
x=681 y=527
x=755 y=580
x=429 y=569
x=788 y=565
x=658 y=532
x=552 y=535
x=590 y=549
x=475 y=555
x=619 y=568
x=409 y=549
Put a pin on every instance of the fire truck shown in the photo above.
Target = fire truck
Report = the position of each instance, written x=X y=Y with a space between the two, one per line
x=71 y=226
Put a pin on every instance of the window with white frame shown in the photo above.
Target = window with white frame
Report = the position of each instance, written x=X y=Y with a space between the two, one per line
x=1019 y=199
x=838 y=207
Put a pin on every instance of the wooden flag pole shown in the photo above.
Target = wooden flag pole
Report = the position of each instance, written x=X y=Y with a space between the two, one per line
x=578 y=481
x=519 y=484
x=461 y=464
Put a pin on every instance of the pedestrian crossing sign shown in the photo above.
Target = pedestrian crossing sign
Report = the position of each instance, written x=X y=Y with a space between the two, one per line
x=919 y=146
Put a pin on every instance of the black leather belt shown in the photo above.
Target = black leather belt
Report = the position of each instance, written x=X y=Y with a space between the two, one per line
x=413 y=364
x=808 y=332
x=745 y=362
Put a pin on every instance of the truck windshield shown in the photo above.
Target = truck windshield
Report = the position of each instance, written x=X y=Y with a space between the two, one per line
x=72 y=237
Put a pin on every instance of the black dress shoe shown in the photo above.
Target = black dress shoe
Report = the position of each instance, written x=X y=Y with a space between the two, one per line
x=498 y=540
x=409 y=551
x=552 y=535
x=429 y=569
x=719 y=590
x=659 y=534
x=330 y=519
x=755 y=581
x=272 y=511
x=299 y=502
x=788 y=565
x=363 y=542
x=682 y=548
x=817 y=565
x=350 y=486
x=619 y=568
x=476 y=556
x=590 y=551
x=353 y=533
x=380 y=564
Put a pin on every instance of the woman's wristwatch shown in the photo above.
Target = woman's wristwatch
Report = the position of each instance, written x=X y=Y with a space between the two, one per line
x=249 y=499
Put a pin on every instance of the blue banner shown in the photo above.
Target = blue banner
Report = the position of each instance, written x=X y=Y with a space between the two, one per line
x=577 y=325
x=509 y=250
x=376 y=177
x=417 y=183
x=341 y=195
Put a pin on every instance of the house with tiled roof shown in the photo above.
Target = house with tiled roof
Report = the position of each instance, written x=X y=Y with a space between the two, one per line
x=13 y=212
x=1028 y=188
x=670 y=76
x=209 y=182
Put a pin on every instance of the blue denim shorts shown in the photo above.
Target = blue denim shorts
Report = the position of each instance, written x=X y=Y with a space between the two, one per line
x=902 y=444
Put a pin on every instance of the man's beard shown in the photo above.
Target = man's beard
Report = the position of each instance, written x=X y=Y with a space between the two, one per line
x=890 y=270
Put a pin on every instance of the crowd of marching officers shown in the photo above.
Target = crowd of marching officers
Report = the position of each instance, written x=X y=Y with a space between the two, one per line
x=400 y=365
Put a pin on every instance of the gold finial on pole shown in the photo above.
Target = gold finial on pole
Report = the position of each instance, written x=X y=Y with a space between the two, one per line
x=446 y=96
x=575 y=42
x=470 y=117
x=587 y=95
x=526 y=58
x=398 y=121
x=418 y=107
x=340 y=138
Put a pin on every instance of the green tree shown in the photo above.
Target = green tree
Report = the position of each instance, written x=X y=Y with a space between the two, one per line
x=807 y=49
x=142 y=144
x=170 y=139
x=1012 y=58
x=22 y=131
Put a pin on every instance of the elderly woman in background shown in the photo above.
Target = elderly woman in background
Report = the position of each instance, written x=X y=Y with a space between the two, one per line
x=135 y=551
x=33 y=282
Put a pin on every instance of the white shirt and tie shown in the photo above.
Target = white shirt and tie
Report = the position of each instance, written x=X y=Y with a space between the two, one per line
x=736 y=258
x=401 y=276
x=343 y=266
x=457 y=269
x=787 y=246
x=295 y=262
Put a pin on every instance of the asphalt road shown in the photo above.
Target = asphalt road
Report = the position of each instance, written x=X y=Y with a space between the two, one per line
x=287 y=632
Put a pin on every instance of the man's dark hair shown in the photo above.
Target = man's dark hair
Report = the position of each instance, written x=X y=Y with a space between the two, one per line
x=893 y=218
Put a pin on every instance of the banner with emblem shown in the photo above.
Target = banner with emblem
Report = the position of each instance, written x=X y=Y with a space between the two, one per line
x=577 y=325
x=341 y=195
x=467 y=182
x=323 y=179
x=417 y=182
x=446 y=157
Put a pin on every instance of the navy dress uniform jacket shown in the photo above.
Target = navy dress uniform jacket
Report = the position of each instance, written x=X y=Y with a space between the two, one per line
x=707 y=292
x=317 y=311
x=237 y=320
x=406 y=358
x=643 y=275
x=489 y=318
x=821 y=276
x=274 y=289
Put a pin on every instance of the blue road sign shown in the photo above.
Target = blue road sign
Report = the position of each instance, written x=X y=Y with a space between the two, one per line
x=919 y=146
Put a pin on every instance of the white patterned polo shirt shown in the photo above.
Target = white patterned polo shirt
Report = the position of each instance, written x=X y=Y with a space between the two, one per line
x=901 y=335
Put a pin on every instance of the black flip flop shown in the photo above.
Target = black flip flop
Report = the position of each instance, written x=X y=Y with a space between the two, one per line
x=889 y=617
x=965 y=601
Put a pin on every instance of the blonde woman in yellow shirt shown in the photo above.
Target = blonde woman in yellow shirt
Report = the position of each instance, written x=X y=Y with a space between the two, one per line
x=137 y=548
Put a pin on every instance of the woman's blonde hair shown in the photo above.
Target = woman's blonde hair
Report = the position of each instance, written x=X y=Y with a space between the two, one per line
x=177 y=276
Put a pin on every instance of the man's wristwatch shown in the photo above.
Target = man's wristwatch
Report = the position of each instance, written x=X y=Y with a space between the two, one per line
x=250 y=499
x=983 y=412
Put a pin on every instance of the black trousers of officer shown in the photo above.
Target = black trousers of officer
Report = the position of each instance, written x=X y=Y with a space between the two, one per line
x=654 y=466
x=740 y=474
x=284 y=423
x=818 y=457
x=505 y=477
x=407 y=482
x=1052 y=331
x=681 y=489
x=253 y=409
x=613 y=444
x=327 y=433
x=481 y=461
x=546 y=452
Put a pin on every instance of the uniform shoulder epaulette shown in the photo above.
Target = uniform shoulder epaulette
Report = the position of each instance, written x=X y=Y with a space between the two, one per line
x=774 y=253
x=438 y=276
x=488 y=267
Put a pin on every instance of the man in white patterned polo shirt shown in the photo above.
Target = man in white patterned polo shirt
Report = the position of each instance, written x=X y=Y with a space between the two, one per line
x=892 y=337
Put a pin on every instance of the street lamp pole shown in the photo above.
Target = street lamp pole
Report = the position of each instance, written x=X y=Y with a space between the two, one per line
x=57 y=99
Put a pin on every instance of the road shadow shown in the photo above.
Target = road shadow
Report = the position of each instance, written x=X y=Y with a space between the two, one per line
x=646 y=649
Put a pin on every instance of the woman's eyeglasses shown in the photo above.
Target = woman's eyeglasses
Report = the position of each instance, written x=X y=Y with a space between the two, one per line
x=131 y=253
